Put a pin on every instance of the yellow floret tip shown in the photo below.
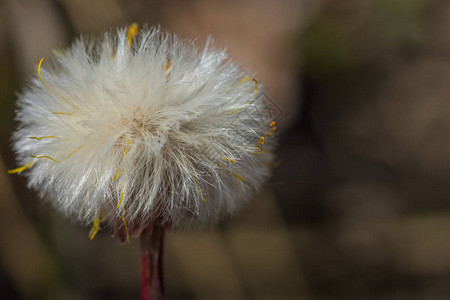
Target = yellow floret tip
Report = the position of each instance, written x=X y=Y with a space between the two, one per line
x=121 y=196
x=199 y=191
x=42 y=137
x=132 y=31
x=126 y=228
x=95 y=228
x=55 y=94
x=238 y=177
x=230 y=160
x=262 y=140
x=21 y=169
x=246 y=78
x=62 y=113
x=44 y=156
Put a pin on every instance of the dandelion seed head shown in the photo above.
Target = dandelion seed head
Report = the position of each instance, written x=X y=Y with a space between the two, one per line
x=148 y=129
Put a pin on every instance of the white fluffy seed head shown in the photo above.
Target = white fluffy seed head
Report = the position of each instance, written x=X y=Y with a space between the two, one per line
x=157 y=132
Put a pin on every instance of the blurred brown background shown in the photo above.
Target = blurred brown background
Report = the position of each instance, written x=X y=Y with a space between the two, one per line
x=359 y=209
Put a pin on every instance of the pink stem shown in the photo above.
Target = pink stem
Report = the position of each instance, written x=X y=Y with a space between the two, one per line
x=151 y=261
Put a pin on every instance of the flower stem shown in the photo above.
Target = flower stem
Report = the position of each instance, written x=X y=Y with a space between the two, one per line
x=151 y=262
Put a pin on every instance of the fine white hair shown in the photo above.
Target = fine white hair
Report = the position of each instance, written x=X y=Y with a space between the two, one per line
x=144 y=128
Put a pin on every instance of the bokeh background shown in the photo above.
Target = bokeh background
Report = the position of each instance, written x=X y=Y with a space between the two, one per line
x=359 y=208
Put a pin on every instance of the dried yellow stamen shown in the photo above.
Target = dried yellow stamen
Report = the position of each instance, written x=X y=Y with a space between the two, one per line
x=74 y=151
x=21 y=169
x=168 y=65
x=238 y=177
x=39 y=73
x=126 y=228
x=168 y=68
x=123 y=158
x=256 y=87
x=251 y=101
x=262 y=140
x=42 y=137
x=244 y=79
x=95 y=228
x=232 y=173
x=126 y=150
x=121 y=196
x=44 y=156
x=117 y=174
x=132 y=31
x=199 y=191
x=122 y=193
x=62 y=113
x=57 y=95
x=239 y=109
x=51 y=158
x=95 y=182
x=229 y=159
